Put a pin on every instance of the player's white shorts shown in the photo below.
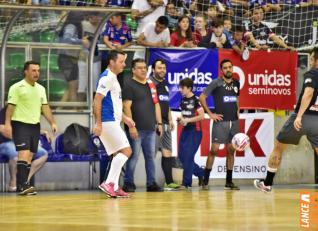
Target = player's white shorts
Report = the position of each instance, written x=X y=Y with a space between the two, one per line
x=113 y=137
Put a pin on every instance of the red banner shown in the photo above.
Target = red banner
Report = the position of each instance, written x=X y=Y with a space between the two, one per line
x=268 y=79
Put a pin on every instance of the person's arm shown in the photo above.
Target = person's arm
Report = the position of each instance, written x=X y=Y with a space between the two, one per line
x=171 y=124
x=250 y=38
x=108 y=43
x=7 y=124
x=305 y=101
x=278 y=41
x=97 y=110
x=142 y=41
x=69 y=35
x=136 y=14
x=237 y=49
x=194 y=119
x=238 y=107
x=47 y=113
x=159 y=118
x=127 y=111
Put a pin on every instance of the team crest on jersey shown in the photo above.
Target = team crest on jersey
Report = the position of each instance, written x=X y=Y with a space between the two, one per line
x=309 y=80
x=235 y=89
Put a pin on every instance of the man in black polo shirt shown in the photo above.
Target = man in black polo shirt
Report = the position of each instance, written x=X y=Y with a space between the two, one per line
x=159 y=70
x=225 y=92
x=261 y=32
x=141 y=103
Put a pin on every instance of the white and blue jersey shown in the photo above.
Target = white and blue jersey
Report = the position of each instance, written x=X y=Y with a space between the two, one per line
x=112 y=105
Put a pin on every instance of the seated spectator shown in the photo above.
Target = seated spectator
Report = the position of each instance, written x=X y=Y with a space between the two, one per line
x=146 y=11
x=237 y=43
x=156 y=34
x=200 y=29
x=117 y=34
x=261 y=32
x=212 y=15
x=172 y=14
x=182 y=37
x=227 y=24
x=217 y=38
x=8 y=149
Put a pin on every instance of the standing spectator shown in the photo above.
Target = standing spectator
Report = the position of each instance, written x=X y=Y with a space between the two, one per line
x=190 y=139
x=26 y=101
x=89 y=28
x=142 y=105
x=217 y=38
x=200 y=29
x=182 y=37
x=147 y=11
x=159 y=71
x=261 y=32
x=156 y=34
x=172 y=14
x=226 y=123
x=117 y=35
x=212 y=15
x=7 y=148
x=237 y=43
x=72 y=32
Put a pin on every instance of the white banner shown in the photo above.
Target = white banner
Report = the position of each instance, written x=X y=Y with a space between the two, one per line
x=249 y=164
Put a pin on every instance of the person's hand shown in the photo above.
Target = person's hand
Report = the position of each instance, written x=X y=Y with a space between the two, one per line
x=219 y=44
x=97 y=129
x=171 y=125
x=54 y=128
x=119 y=47
x=160 y=44
x=183 y=121
x=86 y=43
x=297 y=123
x=223 y=40
x=291 y=48
x=160 y=130
x=7 y=131
x=129 y=122
x=48 y=137
x=133 y=133
x=216 y=117
x=264 y=47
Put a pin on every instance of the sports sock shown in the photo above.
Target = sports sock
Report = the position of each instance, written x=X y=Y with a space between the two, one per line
x=22 y=173
x=115 y=169
x=206 y=176
x=270 y=176
x=166 y=163
x=229 y=174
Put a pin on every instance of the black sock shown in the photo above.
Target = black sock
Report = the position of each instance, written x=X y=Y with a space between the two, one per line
x=166 y=163
x=206 y=176
x=269 y=178
x=229 y=176
x=22 y=173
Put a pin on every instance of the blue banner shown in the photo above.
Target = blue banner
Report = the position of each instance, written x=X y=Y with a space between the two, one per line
x=199 y=65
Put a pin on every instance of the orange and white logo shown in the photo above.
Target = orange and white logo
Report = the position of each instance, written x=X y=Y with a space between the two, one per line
x=309 y=210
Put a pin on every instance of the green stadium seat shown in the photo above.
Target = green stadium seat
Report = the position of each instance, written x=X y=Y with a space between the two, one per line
x=20 y=37
x=48 y=37
x=55 y=88
x=53 y=62
x=16 y=61
x=132 y=24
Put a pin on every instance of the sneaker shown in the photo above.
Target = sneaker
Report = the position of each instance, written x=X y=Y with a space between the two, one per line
x=32 y=193
x=129 y=187
x=108 y=189
x=121 y=194
x=231 y=186
x=26 y=189
x=171 y=187
x=154 y=188
x=183 y=187
x=259 y=184
x=205 y=187
x=201 y=181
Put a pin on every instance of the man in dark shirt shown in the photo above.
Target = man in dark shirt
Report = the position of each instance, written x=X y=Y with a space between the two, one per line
x=190 y=138
x=304 y=121
x=261 y=33
x=225 y=92
x=142 y=105
x=159 y=71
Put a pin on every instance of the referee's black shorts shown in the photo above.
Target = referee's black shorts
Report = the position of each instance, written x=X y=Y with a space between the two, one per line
x=25 y=136
x=289 y=135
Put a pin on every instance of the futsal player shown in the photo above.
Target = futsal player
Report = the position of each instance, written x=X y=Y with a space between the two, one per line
x=108 y=115
x=225 y=92
x=304 y=121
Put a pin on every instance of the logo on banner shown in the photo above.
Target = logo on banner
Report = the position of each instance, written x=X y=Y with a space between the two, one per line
x=266 y=83
x=309 y=210
x=195 y=75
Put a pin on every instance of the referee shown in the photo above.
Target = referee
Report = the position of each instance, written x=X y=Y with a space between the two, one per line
x=26 y=100
x=225 y=92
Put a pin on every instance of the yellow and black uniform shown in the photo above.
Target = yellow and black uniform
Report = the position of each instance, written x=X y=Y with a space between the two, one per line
x=28 y=100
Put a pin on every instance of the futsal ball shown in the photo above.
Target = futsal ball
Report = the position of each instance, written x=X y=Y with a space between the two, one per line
x=240 y=142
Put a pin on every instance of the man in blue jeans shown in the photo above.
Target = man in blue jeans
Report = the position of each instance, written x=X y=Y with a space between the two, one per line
x=190 y=139
x=142 y=105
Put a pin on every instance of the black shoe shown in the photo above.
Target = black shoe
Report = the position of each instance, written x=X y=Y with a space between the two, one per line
x=201 y=181
x=231 y=186
x=26 y=189
x=129 y=187
x=154 y=188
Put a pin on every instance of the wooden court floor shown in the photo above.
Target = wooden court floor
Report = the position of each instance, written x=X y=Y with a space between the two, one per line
x=216 y=209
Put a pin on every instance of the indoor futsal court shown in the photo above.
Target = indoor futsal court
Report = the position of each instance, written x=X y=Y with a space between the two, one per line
x=137 y=115
x=246 y=209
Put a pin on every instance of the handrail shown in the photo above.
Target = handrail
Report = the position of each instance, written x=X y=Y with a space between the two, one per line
x=66 y=8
